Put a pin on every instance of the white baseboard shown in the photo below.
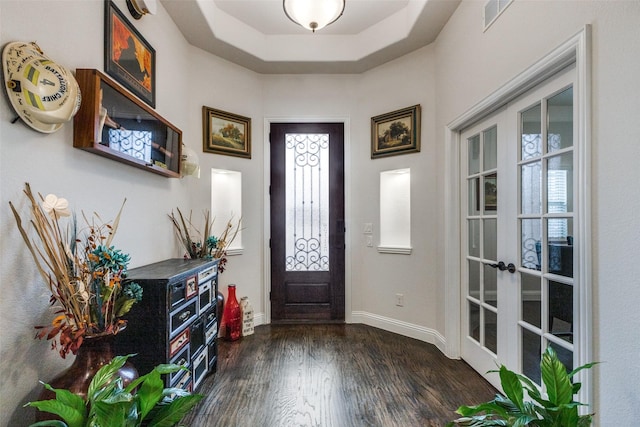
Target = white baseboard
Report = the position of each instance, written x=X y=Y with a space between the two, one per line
x=410 y=330
x=258 y=319
x=402 y=328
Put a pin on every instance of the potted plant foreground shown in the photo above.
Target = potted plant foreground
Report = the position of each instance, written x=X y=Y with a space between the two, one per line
x=108 y=403
x=555 y=409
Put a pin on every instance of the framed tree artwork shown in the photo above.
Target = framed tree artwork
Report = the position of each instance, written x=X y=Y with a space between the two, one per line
x=397 y=132
x=226 y=133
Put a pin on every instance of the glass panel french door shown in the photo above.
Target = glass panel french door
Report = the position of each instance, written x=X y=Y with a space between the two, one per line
x=547 y=190
x=520 y=234
x=483 y=306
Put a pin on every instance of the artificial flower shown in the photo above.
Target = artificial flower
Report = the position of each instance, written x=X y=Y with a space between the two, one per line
x=56 y=206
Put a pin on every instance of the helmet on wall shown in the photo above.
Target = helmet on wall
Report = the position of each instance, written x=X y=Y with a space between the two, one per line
x=44 y=94
x=190 y=162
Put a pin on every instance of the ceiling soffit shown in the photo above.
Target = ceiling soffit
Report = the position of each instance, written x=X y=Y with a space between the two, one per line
x=257 y=35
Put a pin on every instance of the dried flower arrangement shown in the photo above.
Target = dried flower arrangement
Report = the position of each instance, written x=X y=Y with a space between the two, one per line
x=82 y=270
x=202 y=244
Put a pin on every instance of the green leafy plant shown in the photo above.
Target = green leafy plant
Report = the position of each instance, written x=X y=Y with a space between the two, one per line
x=558 y=409
x=108 y=404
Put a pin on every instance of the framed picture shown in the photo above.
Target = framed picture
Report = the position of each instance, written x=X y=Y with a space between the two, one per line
x=226 y=133
x=395 y=133
x=491 y=192
x=128 y=58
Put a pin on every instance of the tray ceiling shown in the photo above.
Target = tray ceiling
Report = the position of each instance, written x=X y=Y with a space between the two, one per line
x=257 y=35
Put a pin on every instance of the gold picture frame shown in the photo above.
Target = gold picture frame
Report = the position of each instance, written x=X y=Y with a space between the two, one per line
x=397 y=132
x=226 y=133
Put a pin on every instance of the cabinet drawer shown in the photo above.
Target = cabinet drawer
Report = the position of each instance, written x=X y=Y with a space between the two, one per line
x=181 y=291
x=197 y=335
x=184 y=382
x=182 y=358
x=211 y=316
x=204 y=296
x=176 y=294
x=212 y=348
x=182 y=316
x=200 y=367
x=178 y=343
x=210 y=332
x=208 y=273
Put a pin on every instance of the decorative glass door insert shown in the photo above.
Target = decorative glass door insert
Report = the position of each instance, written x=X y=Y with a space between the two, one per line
x=307 y=202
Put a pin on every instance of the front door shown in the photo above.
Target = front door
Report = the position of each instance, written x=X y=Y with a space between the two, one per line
x=520 y=188
x=307 y=222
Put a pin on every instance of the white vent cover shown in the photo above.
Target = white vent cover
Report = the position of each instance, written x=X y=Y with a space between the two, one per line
x=493 y=9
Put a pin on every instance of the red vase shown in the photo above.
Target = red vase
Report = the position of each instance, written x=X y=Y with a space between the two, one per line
x=95 y=352
x=232 y=315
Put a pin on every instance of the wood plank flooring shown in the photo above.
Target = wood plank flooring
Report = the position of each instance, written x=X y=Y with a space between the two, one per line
x=334 y=375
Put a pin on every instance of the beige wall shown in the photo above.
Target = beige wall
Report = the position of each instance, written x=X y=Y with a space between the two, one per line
x=447 y=78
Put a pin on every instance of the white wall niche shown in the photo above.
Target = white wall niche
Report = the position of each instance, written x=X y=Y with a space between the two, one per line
x=395 y=211
x=226 y=204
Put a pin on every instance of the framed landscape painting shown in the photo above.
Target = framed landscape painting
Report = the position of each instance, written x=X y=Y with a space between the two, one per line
x=397 y=132
x=128 y=57
x=226 y=133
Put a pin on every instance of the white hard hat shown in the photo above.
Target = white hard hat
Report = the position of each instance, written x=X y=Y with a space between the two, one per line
x=44 y=94
x=190 y=162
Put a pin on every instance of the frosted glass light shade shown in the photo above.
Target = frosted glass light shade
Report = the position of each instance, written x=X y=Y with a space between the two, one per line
x=313 y=14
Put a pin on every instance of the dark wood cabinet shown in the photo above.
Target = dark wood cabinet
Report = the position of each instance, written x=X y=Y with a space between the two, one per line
x=113 y=123
x=176 y=321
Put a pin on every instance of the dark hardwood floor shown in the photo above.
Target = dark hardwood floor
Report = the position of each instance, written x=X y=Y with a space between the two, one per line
x=334 y=375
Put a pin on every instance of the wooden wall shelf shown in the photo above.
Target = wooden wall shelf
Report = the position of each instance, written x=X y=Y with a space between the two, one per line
x=114 y=123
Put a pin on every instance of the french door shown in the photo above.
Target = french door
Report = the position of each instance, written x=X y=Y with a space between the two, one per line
x=520 y=242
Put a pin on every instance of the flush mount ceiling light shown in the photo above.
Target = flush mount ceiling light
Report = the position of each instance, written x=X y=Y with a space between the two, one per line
x=313 y=14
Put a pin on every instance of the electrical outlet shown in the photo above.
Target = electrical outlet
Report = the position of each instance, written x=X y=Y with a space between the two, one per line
x=368 y=228
x=400 y=300
x=370 y=241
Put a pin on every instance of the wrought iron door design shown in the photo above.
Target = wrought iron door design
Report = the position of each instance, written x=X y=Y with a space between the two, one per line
x=307 y=221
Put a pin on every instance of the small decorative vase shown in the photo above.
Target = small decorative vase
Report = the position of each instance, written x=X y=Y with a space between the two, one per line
x=95 y=352
x=232 y=315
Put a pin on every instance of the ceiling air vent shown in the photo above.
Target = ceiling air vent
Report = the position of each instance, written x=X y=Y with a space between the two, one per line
x=493 y=9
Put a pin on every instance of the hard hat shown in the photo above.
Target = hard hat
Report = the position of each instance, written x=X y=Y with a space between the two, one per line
x=44 y=94
x=190 y=162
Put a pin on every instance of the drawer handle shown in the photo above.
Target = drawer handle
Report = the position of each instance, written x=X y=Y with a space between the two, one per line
x=182 y=362
x=184 y=316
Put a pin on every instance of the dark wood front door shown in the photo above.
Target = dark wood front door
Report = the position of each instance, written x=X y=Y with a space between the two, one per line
x=307 y=222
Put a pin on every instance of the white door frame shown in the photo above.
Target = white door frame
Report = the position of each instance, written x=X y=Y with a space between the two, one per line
x=576 y=50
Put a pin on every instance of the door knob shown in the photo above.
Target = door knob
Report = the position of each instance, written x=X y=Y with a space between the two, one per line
x=502 y=266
